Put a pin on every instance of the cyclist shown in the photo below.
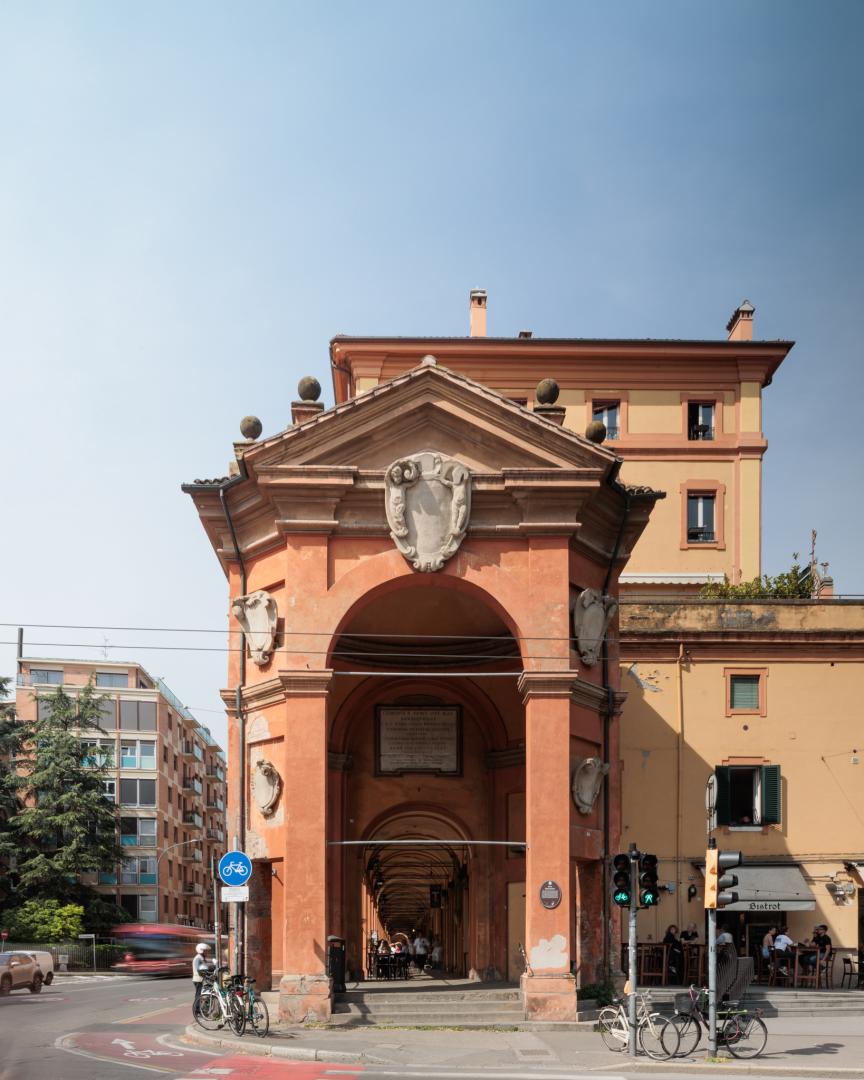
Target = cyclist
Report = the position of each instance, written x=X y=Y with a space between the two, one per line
x=201 y=965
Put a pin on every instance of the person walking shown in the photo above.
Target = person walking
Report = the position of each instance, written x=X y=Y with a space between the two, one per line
x=421 y=951
x=201 y=965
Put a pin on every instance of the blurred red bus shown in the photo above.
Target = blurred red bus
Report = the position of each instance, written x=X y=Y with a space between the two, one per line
x=157 y=948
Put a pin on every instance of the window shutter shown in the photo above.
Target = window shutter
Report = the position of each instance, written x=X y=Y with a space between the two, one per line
x=723 y=797
x=744 y=692
x=771 y=795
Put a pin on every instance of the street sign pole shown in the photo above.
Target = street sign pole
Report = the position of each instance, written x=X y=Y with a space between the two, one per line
x=631 y=950
x=238 y=951
x=216 y=910
x=712 y=972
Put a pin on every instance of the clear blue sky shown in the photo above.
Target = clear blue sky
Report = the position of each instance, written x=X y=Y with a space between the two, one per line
x=195 y=197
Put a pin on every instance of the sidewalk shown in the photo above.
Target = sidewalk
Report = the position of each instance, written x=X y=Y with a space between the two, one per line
x=812 y=1047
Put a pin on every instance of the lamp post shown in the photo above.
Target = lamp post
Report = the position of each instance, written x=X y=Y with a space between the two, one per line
x=164 y=851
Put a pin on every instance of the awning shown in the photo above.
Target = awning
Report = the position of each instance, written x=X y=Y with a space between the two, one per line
x=770 y=888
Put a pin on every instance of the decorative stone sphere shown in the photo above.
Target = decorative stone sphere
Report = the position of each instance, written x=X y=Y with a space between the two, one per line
x=547 y=392
x=429 y=360
x=596 y=431
x=309 y=388
x=250 y=427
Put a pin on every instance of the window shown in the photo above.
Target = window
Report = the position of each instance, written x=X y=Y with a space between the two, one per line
x=138 y=871
x=746 y=691
x=138 y=715
x=108 y=714
x=137 y=832
x=109 y=790
x=43 y=708
x=134 y=792
x=700 y=519
x=49 y=676
x=112 y=678
x=748 y=795
x=147 y=910
x=97 y=752
x=137 y=755
x=165 y=754
x=607 y=412
x=700 y=420
x=107 y=877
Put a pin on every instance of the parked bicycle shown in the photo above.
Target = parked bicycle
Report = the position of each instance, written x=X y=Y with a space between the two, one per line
x=254 y=1007
x=657 y=1035
x=219 y=1005
x=740 y=1030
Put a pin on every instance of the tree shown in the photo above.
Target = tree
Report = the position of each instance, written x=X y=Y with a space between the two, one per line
x=38 y=921
x=795 y=583
x=11 y=741
x=64 y=826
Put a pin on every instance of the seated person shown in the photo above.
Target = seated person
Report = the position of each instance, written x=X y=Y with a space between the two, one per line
x=724 y=937
x=691 y=933
x=782 y=942
x=768 y=942
x=384 y=948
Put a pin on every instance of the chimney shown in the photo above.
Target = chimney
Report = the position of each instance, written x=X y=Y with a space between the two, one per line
x=478 y=313
x=740 y=326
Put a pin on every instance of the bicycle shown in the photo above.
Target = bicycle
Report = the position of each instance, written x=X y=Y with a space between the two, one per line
x=254 y=1007
x=657 y=1035
x=742 y=1032
x=218 y=1005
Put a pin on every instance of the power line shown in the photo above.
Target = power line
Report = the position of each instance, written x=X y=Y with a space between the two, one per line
x=283 y=633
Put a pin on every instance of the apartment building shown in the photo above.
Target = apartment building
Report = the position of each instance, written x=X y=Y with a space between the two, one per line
x=167 y=778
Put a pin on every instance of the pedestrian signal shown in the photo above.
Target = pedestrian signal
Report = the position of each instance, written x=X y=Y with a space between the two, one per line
x=621 y=884
x=649 y=890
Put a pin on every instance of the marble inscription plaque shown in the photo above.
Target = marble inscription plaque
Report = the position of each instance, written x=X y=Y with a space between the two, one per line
x=420 y=739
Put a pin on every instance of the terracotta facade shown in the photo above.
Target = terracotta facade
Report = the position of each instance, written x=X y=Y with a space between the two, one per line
x=487 y=637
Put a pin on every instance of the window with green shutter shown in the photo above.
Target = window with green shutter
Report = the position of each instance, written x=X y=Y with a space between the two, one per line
x=744 y=692
x=772 y=801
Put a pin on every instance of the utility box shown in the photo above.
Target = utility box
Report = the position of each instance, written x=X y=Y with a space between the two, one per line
x=336 y=962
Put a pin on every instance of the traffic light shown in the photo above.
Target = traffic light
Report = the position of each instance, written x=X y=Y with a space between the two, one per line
x=649 y=892
x=718 y=883
x=621 y=884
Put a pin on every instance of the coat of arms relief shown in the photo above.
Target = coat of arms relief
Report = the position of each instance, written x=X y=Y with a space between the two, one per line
x=428 y=503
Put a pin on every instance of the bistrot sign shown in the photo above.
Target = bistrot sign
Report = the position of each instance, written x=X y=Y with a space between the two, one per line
x=235 y=868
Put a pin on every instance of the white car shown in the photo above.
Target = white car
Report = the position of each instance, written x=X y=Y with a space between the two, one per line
x=46 y=965
x=17 y=971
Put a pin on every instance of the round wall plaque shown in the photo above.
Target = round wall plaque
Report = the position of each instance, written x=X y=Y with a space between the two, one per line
x=550 y=894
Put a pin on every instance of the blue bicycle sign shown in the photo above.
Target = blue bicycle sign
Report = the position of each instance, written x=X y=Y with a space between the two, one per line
x=235 y=868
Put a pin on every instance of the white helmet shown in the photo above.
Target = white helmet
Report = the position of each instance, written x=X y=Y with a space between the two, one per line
x=201 y=947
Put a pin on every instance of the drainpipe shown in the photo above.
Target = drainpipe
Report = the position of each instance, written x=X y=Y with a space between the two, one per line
x=679 y=667
x=240 y=924
x=607 y=719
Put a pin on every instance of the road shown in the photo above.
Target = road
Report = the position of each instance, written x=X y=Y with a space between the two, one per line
x=113 y=1028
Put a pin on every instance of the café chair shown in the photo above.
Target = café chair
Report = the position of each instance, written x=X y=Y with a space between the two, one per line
x=850 y=972
x=826 y=971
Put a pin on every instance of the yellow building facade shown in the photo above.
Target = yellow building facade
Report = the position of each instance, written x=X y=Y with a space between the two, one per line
x=763 y=697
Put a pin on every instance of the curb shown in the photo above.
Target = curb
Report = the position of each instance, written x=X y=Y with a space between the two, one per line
x=259 y=1048
x=198 y=1037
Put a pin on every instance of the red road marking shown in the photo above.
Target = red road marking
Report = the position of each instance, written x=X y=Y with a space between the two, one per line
x=266 y=1068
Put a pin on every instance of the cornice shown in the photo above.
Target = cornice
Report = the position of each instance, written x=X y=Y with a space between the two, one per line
x=306 y=683
x=548 y=684
x=505 y=759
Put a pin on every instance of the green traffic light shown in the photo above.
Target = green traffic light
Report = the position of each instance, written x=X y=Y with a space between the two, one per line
x=621 y=897
x=649 y=897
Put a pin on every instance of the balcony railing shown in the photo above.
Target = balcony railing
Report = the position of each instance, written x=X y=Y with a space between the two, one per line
x=192 y=854
x=190 y=817
x=193 y=888
x=215 y=803
x=192 y=783
x=701 y=536
x=701 y=433
x=613 y=432
x=216 y=834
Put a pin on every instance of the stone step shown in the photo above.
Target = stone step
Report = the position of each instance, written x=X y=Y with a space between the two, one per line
x=508 y=1008
x=421 y=997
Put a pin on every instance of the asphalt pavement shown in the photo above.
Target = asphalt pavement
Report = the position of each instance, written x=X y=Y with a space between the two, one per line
x=113 y=1028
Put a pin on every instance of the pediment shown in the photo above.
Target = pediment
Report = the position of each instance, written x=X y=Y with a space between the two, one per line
x=428 y=407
